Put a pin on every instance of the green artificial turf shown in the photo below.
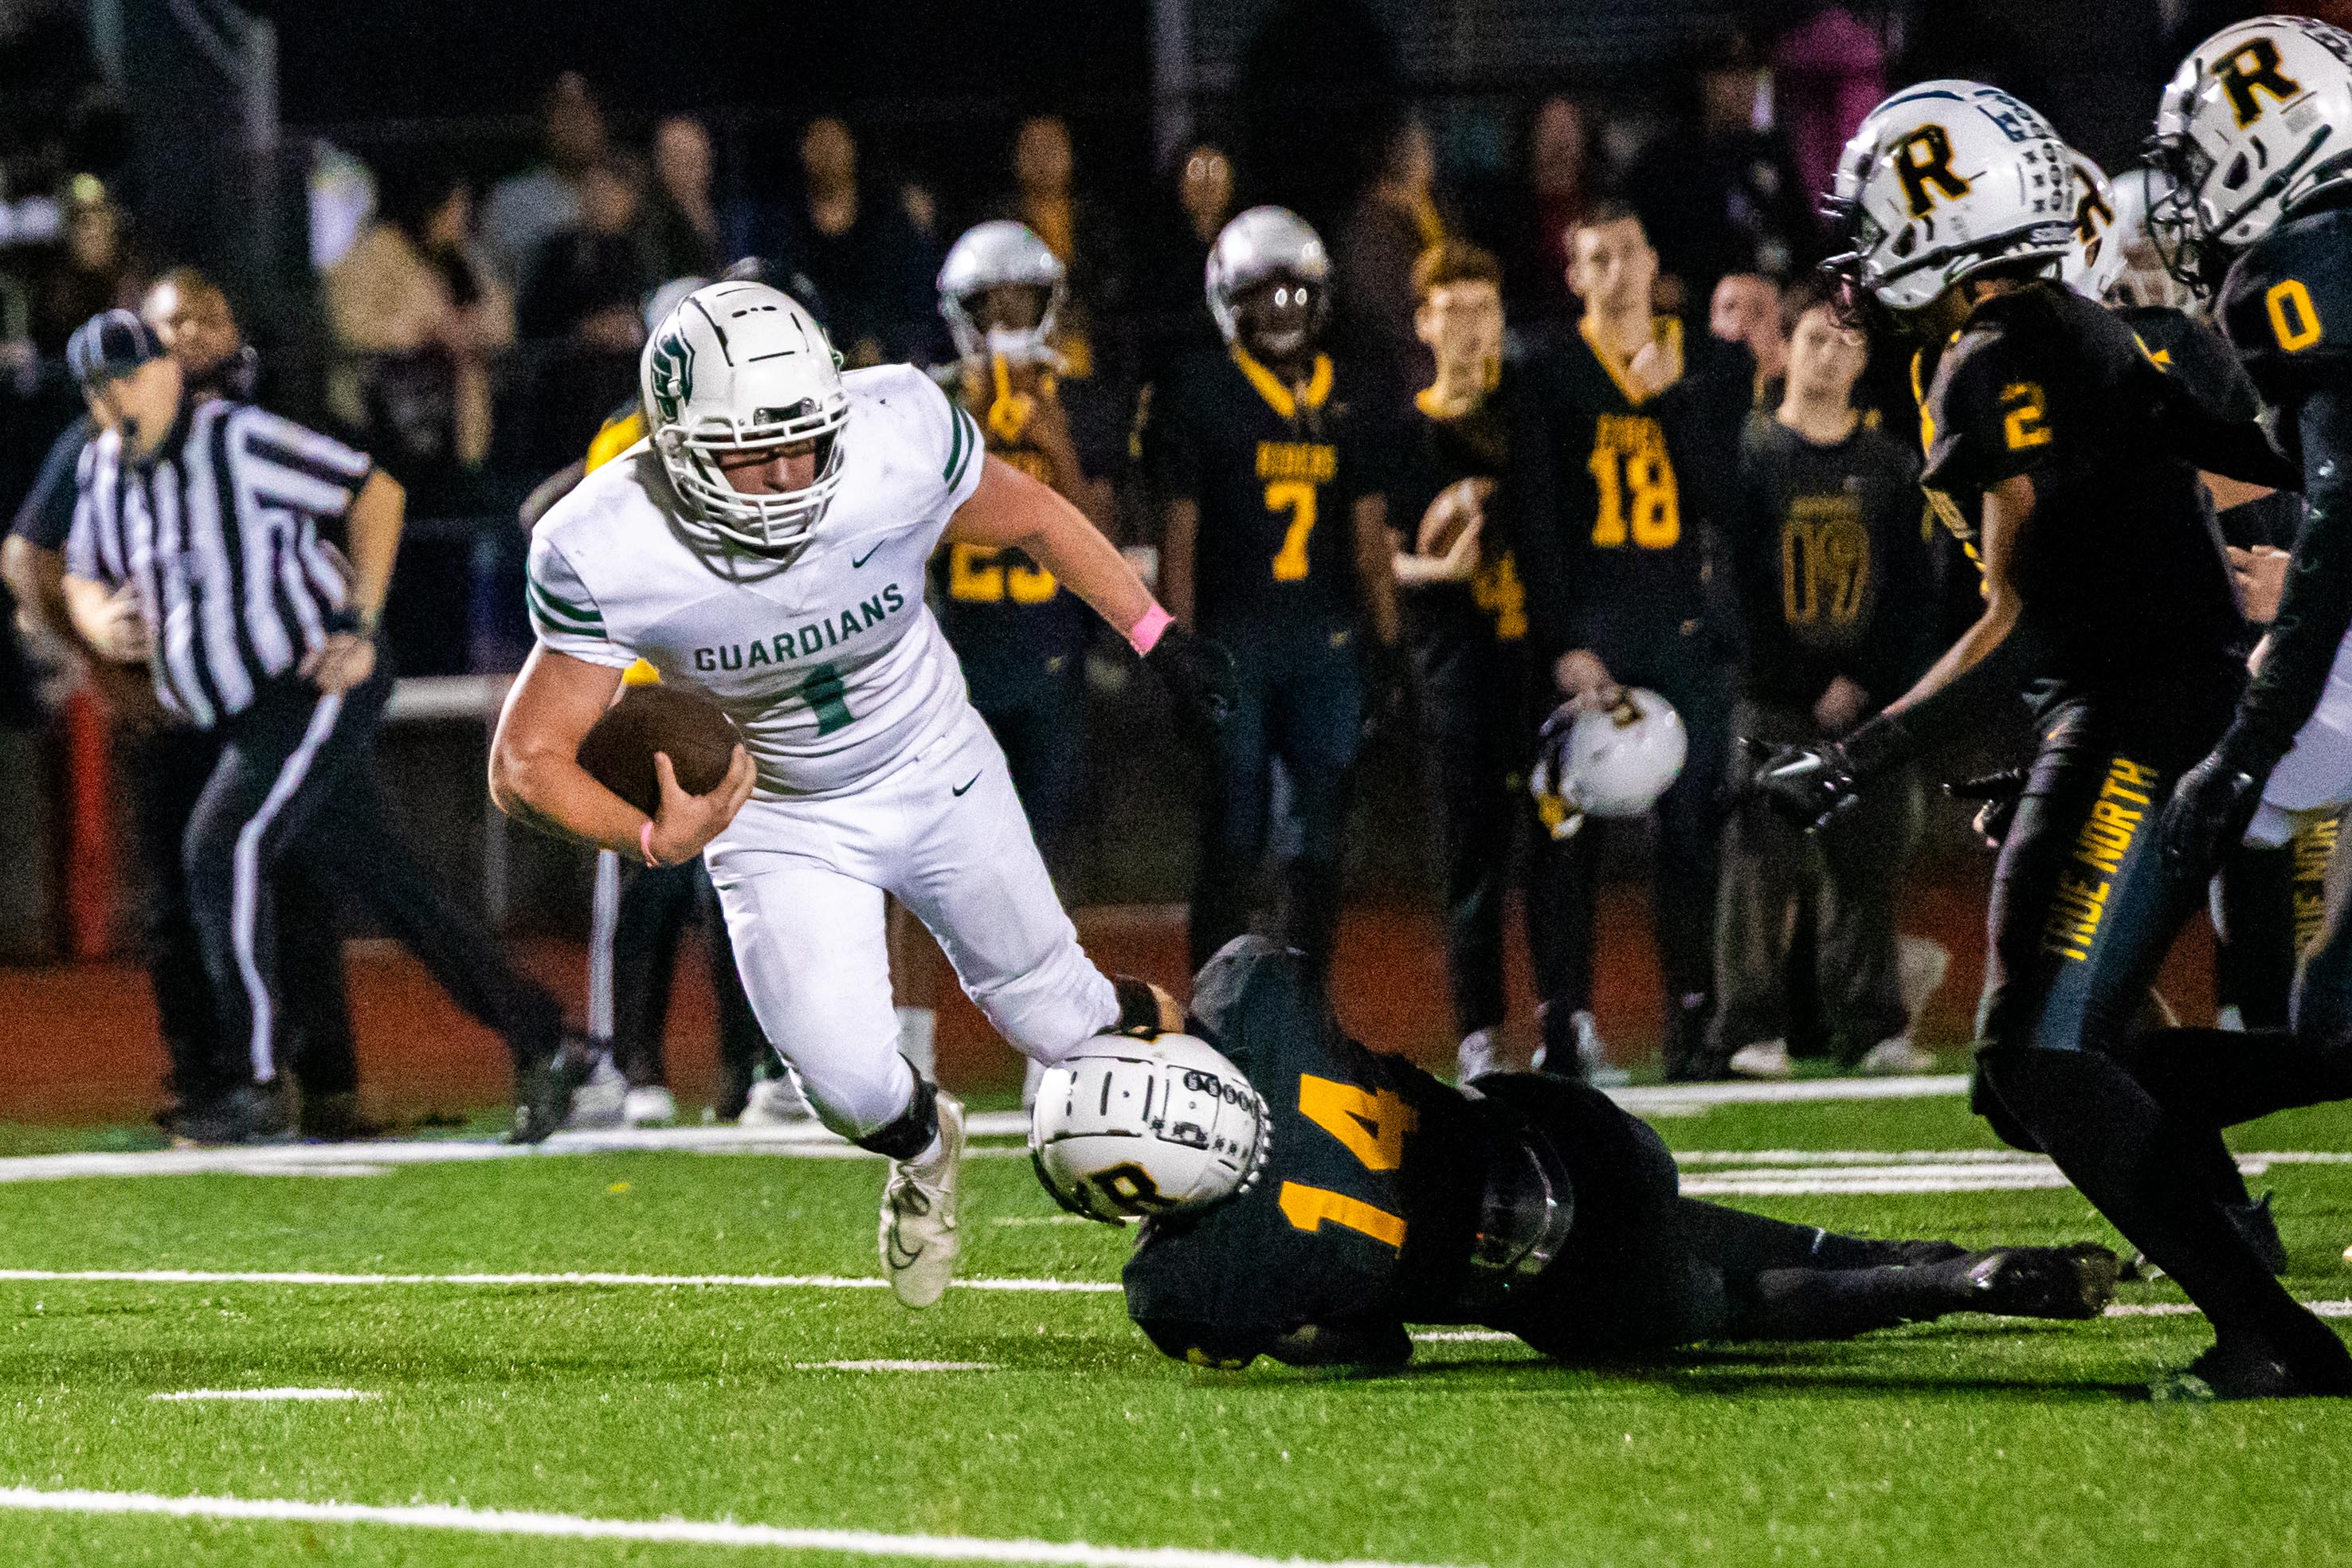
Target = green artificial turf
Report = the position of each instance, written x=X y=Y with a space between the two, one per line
x=1971 y=1441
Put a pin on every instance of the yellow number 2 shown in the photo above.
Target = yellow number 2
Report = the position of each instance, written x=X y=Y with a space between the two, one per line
x=2294 y=318
x=2025 y=426
x=1296 y=497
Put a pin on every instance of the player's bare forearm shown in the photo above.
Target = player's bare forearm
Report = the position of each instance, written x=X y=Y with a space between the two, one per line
x=1376 y=565
x=373 y=527
x=535 y=771
x=2008 y=509
x=1180 y=532
x=1011 y=510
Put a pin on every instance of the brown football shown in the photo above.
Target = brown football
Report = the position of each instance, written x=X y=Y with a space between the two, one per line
x=694 y=730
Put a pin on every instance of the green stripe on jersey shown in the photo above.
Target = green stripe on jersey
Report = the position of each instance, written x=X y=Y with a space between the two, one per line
x=967 y=441
x=545 y=607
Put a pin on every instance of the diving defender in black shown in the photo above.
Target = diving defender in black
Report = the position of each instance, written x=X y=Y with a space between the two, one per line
x=1528 y=1203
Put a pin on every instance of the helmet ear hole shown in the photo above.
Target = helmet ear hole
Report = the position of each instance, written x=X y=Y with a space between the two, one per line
x=2239 y=171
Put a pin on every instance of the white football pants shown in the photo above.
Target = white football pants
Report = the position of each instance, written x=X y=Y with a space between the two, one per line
x=2314 y=779
x=802 y=880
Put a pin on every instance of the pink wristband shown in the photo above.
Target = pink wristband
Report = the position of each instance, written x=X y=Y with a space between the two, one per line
x=646 y=843
x=1144 y=636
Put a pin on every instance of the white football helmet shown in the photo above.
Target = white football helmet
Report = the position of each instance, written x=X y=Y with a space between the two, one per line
x=2257 y=119
x=1126 y=1128
x=735 y=366
x=1606 y=761
x=2095 y=257
x=2139 y=195
x=1943 y=180
x=1263 y=243
x=996 y=255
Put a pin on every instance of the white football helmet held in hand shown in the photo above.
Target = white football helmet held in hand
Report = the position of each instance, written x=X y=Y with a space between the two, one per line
x=1606 y=761
x=2095 y=258
x=1000 y=254
x=1943 y=180
x=739 y=366
x=2257 y=119
x=1126 y=1128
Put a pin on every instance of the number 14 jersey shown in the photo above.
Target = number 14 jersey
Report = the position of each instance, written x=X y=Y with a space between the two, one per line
x=833 y=667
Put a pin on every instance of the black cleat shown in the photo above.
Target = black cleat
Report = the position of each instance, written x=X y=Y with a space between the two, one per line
x=543 y=1090
x=247 y=1114
x=336 y=1119
x=2248 y=1367
x=2043 y=1281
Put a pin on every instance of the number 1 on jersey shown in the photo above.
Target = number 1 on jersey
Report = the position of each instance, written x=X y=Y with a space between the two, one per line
x=1369 y=1125
x=824 y=691
x=1296 y=497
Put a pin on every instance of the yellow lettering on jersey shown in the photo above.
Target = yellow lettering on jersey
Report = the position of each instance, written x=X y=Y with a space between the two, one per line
x=978 y=574
x=2313 y=847
x=1371 y=1126
x=1296 y=497
x=1308 y=1208
x=2295 y=320
x=2026 y=423
x=1496 y=589
x=1314 y=462
x=2115 y=820
x=1638 y=498
x=1824 y=560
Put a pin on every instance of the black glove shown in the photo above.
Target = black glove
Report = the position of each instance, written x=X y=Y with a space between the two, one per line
x=1812 y=785
x=1999 y=794
x=1199 y=674
x=2209 y=811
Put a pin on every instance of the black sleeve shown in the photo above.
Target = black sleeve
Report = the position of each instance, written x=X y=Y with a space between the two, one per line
x=2317 y=609
x=1749 y=527
x=48 y=513
x=1901 y=643
x=1532 y=492
x=2239 y=449
x=1991 y=417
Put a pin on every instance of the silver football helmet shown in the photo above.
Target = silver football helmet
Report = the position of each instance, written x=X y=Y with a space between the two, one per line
x=2095 y=257
x=1260 y=244
x=1126 y=1128
x=1606 y=761
x=1942 y=180
x=739 y=366
x=2257 y=119
x=2139 y=196
x=996 y=255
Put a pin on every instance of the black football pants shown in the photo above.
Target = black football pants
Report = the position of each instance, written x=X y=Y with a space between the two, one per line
x=2083 y=909
x=1479 y=720
x=1300 y=699
x=657 y=904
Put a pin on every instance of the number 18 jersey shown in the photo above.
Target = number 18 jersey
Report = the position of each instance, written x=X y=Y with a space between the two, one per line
x=833 y=667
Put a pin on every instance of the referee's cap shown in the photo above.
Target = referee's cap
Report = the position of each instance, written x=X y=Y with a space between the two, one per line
x=110 y=343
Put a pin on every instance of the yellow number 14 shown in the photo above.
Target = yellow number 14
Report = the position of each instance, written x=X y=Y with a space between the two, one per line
x=1296 y=497
x=1371 y=1127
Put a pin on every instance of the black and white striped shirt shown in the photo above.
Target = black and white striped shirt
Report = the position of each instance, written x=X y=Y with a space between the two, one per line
x=226 y=535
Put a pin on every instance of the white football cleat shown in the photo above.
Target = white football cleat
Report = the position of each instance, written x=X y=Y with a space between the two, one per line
x=775 y=1102
x=919 y=1236
x=1765 y=1058
x=1592 y=1053
x=1897 y=1057
x=601 y=1102
x=1033 y=1073
x=650 y=1106
x=1477 y=1056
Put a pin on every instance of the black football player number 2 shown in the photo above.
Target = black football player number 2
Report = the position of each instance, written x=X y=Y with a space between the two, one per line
x=1369 y=1125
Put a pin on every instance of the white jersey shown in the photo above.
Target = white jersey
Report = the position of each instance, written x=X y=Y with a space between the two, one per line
x=833 y=667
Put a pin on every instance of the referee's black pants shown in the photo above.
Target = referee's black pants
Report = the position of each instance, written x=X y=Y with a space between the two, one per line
x=165 y=770
x=2084 y=907
x=297 y=778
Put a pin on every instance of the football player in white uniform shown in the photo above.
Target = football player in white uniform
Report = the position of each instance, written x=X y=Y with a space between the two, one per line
x=766 y=546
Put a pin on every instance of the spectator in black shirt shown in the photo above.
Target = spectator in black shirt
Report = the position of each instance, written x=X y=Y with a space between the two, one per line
x=1728 y=201
x=587 y=291
x=864 y=253
x=682 y=219
x=1830 y=570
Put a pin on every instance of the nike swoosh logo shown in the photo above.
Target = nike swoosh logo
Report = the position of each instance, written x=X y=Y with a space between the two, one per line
x=857 y=561
x=965 y=785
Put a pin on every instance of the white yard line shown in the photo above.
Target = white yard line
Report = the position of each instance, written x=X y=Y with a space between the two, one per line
x=268 y=1395
x=2184 y=1310
x=723 y=1281
x=682 y=1531
x=1671 y=1099
x=896 y=1366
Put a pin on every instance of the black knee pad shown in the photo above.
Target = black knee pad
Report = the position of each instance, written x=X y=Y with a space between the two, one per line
x=912 y=1132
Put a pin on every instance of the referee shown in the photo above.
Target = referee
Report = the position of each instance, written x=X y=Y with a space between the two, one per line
x=245 y=559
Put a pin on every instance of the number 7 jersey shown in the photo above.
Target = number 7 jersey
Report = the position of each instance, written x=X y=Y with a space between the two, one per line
x=833 y=667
